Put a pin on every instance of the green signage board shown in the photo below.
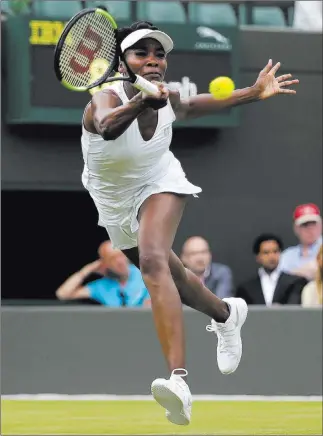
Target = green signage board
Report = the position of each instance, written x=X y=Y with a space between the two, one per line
x=33 y=95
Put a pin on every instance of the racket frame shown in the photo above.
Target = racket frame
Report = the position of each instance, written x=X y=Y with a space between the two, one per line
x=62 y=40
x=136 y=80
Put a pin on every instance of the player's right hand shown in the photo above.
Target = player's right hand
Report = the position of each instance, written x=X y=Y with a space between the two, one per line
x=159 y=100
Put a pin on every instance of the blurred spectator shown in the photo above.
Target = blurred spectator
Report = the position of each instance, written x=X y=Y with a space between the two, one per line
x=270 y=286
x=122 y=284
x=301 y=259
x=197 y=257
x=308 y=15
x=312 y=293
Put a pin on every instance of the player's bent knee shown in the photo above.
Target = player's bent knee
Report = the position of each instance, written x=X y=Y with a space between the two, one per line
x=153 y=264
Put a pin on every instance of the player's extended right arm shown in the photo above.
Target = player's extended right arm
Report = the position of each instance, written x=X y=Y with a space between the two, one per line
x=110 y=117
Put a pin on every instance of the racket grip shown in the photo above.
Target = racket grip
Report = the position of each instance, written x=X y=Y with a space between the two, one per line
x=145 y=86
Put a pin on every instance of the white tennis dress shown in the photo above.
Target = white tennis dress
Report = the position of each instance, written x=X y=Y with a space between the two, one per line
x=120 y=174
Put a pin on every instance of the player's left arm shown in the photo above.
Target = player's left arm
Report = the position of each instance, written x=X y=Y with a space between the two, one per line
x=267 y=85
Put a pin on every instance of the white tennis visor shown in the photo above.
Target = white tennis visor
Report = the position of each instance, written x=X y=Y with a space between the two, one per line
x=137 y=35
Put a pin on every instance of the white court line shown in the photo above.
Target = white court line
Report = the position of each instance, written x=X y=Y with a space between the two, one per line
x=62 y=397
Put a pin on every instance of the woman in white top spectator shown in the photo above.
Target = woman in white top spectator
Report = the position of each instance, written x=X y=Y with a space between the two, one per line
x=312 y=292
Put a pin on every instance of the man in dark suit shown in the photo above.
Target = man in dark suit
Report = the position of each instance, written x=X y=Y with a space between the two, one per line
x=271 y=286
x=196 y=256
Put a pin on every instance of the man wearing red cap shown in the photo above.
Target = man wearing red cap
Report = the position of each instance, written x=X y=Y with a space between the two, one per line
x=300 y=259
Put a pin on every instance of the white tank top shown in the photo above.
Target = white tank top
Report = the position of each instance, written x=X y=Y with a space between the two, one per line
x=112 y=168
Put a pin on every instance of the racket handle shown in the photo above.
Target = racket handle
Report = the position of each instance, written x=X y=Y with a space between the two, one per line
x=145 y=86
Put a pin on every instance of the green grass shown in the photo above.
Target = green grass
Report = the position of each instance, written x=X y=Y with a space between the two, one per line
x=146 y=417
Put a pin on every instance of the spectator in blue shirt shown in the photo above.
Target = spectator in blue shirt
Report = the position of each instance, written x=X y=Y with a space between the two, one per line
x=301 y=259
x=122 y=284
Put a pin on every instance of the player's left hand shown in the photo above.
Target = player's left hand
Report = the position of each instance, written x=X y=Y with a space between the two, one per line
x=267 y=85
x=159 y=100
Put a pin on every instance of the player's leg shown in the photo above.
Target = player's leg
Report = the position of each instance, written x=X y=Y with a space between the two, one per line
x=226 y=326
x=195 y=295
x=192 y=291
x=159 y=217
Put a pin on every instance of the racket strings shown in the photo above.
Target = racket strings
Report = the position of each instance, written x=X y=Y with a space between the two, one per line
x=90 y=39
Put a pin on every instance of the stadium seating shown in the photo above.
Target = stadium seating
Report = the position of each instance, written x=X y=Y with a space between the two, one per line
x=268 y=16
x=159 y=11
x=212 y=14
x=290 y=16
x=5 y=9
x=56 y=9
x=207 y=13
x=12 y=7
x=119 y=9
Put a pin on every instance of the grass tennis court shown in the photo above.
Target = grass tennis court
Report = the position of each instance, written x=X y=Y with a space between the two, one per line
x=146 y=417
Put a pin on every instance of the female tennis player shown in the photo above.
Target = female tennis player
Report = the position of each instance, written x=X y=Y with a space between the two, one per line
x=140 y=191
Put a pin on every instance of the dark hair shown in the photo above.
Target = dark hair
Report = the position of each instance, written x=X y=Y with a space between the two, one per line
x=123 y=32
x=264 y=238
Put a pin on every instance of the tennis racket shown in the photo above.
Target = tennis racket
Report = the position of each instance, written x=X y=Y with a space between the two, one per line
x=88 y=53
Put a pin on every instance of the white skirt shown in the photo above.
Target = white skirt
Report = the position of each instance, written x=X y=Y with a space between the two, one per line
x=123 y=226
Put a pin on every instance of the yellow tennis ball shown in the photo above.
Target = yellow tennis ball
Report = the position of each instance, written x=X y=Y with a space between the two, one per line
x=221 y=87
x=98 y=67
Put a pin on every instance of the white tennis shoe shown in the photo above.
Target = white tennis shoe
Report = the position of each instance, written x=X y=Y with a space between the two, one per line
x=229 y=350
x=175 y=396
